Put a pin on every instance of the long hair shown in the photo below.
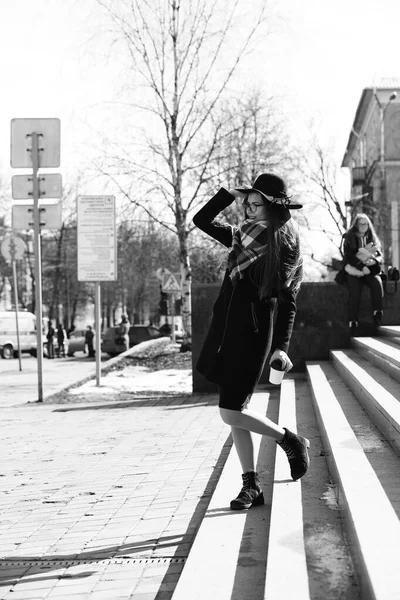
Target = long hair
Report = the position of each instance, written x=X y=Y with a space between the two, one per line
x=281 y=267
x=370 y=233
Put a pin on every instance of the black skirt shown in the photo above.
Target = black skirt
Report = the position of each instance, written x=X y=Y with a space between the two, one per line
x=233 y=397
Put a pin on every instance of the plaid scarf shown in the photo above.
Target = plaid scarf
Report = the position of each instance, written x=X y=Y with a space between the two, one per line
x=249 y=243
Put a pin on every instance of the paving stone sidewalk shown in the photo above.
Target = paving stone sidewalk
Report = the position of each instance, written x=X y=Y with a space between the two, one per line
x=101 y=497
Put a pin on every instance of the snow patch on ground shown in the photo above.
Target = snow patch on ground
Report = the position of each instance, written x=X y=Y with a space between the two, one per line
x=139 y=379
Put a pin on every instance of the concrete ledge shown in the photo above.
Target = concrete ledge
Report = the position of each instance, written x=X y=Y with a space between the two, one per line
x=286 y=537
x=383 y=355
x=371 y=387
x=372 y=524
x=321 y=323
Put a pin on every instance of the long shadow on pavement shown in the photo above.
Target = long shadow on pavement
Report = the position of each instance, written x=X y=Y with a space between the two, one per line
x=201 y=507
x=56 y=561
x=145 y=401
x=14 y=569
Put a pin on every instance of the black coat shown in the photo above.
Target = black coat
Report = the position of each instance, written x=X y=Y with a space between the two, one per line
x=242 y=330
x=351 y=245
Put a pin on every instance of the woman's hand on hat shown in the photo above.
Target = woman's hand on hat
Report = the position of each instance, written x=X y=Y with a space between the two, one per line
x=283 y=357
x=237 y=194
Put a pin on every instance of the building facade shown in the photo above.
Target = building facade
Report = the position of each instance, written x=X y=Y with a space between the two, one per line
x=373 y=158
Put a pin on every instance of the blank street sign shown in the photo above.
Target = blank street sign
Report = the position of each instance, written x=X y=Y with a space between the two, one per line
x=50 y=186
x=48 y=131
x=50 y=216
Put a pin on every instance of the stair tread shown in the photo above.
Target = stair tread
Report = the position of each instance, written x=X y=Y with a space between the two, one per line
x=232 y=549
x=286 y=536
x=384 y=389
x=390 y=329
x=369 y=513
x=382 y=347
x=377 y=449
x=215 y=559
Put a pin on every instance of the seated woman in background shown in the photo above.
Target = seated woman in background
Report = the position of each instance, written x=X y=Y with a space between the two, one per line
x=362 y=260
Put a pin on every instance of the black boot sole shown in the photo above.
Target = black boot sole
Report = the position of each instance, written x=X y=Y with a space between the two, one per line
x=237 y=505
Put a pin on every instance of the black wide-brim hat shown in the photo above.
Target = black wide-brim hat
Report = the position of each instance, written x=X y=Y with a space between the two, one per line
x=273 y=189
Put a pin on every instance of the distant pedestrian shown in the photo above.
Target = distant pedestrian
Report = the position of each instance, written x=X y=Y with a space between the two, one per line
x=61 y=337
x=89 y=335
x=123 y=331
x=362 y=260
x=263 y=276
x=50 y=340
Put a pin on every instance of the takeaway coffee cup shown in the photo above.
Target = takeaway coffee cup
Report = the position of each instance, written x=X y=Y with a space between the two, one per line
x=276 y=372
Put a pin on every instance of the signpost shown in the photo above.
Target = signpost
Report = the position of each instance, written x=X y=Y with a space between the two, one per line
x=12 y=249
x=171 y=285
x=35 y=143
x=97 y=251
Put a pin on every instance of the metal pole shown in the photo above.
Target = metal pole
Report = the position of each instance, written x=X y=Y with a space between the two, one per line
x=38 y=262
x=14 y=269
x=395 y=232
x=383 y=186
x=98 y=333
x=173 y=317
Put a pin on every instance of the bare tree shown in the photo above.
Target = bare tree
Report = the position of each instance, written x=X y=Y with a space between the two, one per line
x=320 y=172
x=186 y=56
x=253 y=139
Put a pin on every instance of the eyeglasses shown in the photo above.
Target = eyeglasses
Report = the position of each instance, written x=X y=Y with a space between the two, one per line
x=252 y=207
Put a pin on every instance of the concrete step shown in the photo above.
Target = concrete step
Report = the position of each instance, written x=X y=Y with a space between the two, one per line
x=286 y=544
x=378 y=393
x=382 y=353
x=294 y=542
x=390 y=331
x=363 y=473
x=213 y=568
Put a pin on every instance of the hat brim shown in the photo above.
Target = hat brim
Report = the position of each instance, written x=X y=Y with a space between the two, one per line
x=283 y=201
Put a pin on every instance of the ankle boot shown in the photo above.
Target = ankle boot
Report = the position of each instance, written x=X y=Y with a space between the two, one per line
x=251 y=493
x=295 y=447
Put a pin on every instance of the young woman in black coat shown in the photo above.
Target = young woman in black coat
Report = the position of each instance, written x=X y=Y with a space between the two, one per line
x=263 y=276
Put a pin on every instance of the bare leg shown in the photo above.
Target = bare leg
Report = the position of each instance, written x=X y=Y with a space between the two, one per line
x=293 y=445
x=252 y=421
x=243 y=441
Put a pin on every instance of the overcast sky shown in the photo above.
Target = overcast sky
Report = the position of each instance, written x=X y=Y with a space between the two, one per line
x=319 y=58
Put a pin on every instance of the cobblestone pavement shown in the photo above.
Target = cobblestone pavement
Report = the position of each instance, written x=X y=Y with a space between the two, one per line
x=101 y=497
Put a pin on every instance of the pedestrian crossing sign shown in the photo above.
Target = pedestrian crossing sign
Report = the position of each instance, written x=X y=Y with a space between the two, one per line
x=171 y=283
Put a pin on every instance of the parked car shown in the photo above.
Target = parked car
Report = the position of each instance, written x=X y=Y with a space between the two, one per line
x=8 y=333
x=76 y=342
x=137 y=334
x=166 y=329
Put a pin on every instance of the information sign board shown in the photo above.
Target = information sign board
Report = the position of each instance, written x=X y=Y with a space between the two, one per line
x=97 y=240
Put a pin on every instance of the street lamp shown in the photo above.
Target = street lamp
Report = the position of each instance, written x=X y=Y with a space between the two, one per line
x=382 y=113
